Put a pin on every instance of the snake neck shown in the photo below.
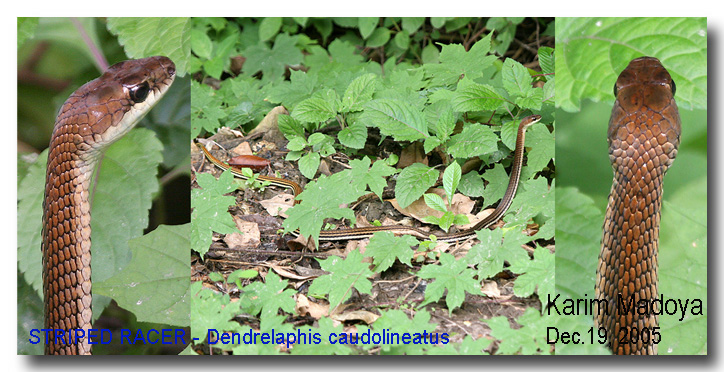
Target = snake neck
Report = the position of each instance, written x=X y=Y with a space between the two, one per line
x=66 y=244
x=627 y=275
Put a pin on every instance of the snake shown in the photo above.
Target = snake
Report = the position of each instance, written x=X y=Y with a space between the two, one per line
x=643 y=138
x=93 y=117
x=366 y=232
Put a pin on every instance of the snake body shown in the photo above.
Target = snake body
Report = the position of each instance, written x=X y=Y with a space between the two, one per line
x=96 y=115
x=366 y=232
x=643 y=137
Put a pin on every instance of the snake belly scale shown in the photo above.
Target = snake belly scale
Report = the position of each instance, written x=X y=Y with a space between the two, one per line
x=643 y=137
x=366 y=232
x=94 y=116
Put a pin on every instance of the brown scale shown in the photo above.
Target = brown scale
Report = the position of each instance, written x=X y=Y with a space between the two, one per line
x=643 y=138
x=88 y=121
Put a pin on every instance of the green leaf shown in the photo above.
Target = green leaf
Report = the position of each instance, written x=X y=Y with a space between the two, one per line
x=430 y=54
x=345 y=274
x=451 y=179
x=309 y=164
x=474 y=140
x=385 y=248
x=412 y=183
x=528 y=340
x=497 y=184
x=412 y=24
x=146 y=36
x=354 y=136
x=204 y=111
x=316 y=109
x=547 y=61
x=374 y=177
x=211 y=209
x=272 y=62
x=321 y=199
x=380 y=36
x=476 y=97
x=26 y=28
x=496 y=247
x=367 y=25
x=516 y=78
x=299 y=87
x=402 y=40
x=201 y=43
x=451 y=275
x=358 y=93
x=290 y=128
x=456 y=63
x=297 y=144
x=538 y=273
x=395 y=118
x=211 y=310
x=268 y=297
x=591 y=52
x=155 y=284
x=435 y=202
x=269 y=27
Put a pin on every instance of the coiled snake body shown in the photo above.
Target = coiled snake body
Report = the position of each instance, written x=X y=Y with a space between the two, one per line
x=643 y=137
x=96 y=115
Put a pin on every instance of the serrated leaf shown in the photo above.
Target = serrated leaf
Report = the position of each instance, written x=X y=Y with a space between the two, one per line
x=412 y=183
x=395 y=118
x=290 y=127
x=321 y=199
x=591 y=52
x=451 y=275
x=316 y=109
x=385 y=248
x=435 y=202
x=147 y=36
x=268 y=27
x=474 y=140
x=309 y=163
x=451 y=179
x=211 y=209
x=354 y=136
x=358 y=93
x=546 y=57
x=267 y=297
x=154 y=286
x=476 y=97
x=374 y=177
x=345 y=274
x=516 y=78
x=272 y=62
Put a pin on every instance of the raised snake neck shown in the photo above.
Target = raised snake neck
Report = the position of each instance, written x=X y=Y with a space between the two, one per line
x=94 y=116
x=366 y=232
x=643 y=137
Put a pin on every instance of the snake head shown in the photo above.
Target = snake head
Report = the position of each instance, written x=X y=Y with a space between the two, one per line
x=104 y=109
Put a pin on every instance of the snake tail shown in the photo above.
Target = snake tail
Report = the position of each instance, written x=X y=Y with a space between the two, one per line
x=643 y=138
x=96 y=115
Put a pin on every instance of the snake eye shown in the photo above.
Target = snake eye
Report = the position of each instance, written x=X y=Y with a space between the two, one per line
x=673 y=88
x=139 y=92
x=615 y=90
